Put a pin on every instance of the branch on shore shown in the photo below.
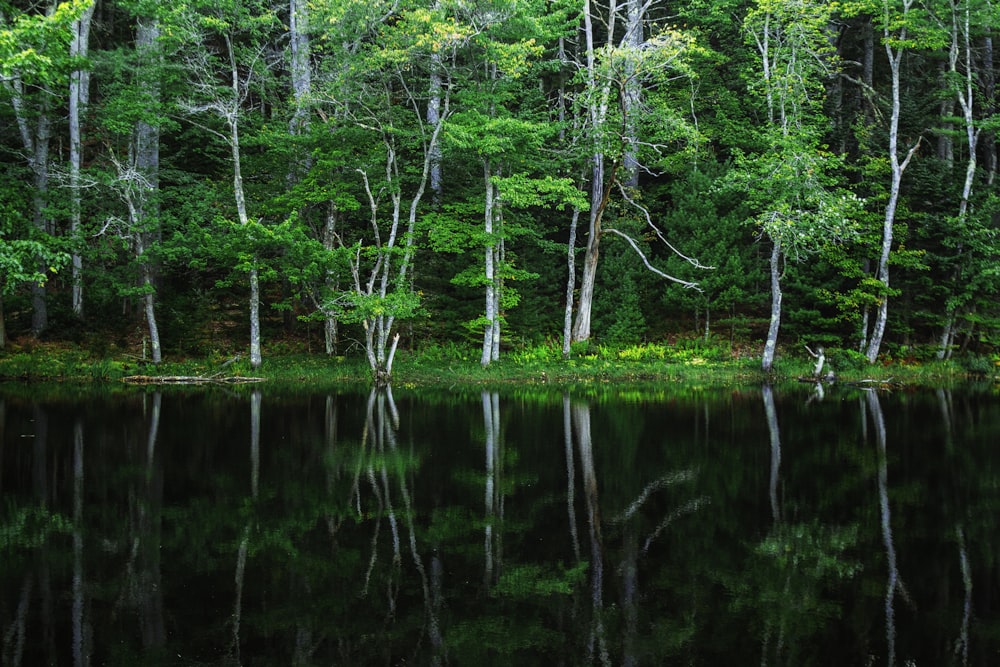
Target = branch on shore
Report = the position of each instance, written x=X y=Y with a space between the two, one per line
x=189 y=379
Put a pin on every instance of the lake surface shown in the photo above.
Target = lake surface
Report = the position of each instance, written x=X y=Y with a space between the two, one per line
x=685 y=525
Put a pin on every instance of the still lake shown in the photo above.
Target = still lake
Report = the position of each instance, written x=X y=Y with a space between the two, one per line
x=530 y=526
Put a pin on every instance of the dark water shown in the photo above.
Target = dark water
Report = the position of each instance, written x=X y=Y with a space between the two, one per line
x=634 y=527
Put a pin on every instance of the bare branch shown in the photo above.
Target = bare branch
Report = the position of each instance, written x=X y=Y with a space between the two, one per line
x=663 y=239
x=685 y=283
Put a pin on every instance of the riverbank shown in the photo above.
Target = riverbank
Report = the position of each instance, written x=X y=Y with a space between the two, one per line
x=444 y=366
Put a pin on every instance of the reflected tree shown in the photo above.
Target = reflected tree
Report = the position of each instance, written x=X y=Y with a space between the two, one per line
x=143 y=586
x=82 y=632
x=597 y=643
x=494 y=499
x=894 y=584
x=244 y=545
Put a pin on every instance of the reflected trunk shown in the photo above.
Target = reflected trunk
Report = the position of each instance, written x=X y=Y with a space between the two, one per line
x=597 y=641
x=493 y=503
x=772 y=427
x=150 y=577
x=244 y=548
x=570 y=477
x=81 y=626
x=893 y=585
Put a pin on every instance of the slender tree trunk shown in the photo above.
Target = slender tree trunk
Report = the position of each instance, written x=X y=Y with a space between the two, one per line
x=146 y=147
x=570 y=284
x=232 y=120
x=767 y=362
x=301 y=73
x=596 y=114
x=961 y=49
x=35 y=140
x=330 y=333
x=491 y=337
x=79 y=84
x=434 y=119
x=895 y=57
x=631 y=99
x=40 y=169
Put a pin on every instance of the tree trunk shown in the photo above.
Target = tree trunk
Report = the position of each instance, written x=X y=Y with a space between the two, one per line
x=79 y=84
x=491 y=336
x=232 y=120
x=301 y=73
x=767 y=362
x=35 y=140
x=631 y=97
x=146 y=146
x=330 y=333
x=40 y=169
x=596 y=111
x=434 y=119
x=570 y=284
x=895 y=57
x=581 y=328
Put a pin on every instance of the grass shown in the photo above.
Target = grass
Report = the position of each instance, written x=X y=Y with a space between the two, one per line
x=451 y=365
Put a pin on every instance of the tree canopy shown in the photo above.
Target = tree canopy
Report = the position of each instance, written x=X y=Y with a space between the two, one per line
x=411 y=172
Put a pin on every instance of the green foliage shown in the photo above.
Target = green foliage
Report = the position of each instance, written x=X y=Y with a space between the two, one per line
x=29 y=528
x=33 y=46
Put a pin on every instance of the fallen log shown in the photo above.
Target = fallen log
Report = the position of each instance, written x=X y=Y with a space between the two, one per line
x=189 y=379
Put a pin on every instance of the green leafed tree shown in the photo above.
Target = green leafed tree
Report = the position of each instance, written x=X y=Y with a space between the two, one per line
x=791 y=181
x=226 y=61
x=34 y=64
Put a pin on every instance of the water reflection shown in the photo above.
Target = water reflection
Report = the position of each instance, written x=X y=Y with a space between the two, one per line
x=499 y=528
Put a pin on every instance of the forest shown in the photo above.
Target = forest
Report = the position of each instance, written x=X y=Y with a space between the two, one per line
x=354 y=176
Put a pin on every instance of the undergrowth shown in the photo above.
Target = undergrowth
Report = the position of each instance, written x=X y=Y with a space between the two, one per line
x=450 y=364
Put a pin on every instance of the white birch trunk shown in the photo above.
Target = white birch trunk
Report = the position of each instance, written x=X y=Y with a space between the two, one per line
x=570 y=284
x=491 y=336
x=895 y=57
x=767 y=363
x=232 y=120
x=961 y=27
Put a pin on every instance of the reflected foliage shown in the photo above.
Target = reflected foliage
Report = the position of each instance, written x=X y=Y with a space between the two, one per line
x=403 y=526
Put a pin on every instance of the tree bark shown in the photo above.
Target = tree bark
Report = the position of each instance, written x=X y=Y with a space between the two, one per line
x=491 y=336
x=79 y=85
x=895 y=57
x=596 y=112
x=146 y=146
x=570 y=285
x=767 y=362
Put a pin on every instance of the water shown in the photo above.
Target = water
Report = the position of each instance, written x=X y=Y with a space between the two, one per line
x=626 y=527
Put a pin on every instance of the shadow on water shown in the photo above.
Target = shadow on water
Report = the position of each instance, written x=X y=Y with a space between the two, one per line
x=775 y=526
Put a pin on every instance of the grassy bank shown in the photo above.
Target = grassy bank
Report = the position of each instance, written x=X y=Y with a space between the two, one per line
x=451 y=365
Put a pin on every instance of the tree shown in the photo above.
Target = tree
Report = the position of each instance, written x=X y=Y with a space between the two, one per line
x=240 y=30
x=130 y=117
x=500 y=126
x=895 y=20
x=32 y=61
x=376 y=92
x=79 y=93
x=614 y=125
x=799 y=211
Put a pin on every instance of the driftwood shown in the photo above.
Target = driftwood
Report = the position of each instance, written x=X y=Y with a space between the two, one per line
x=189 y=379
